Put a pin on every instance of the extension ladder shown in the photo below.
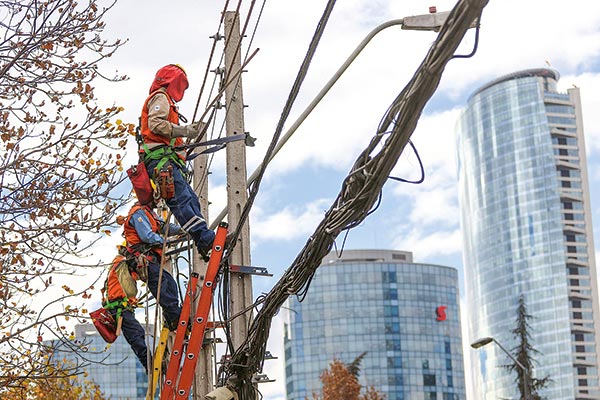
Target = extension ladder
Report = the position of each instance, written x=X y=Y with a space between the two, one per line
x=157 y=363
x=182 y=377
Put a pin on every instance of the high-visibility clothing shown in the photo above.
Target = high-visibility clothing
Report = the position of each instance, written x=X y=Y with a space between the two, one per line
x=173 y=78
x=120 y=283
x=131 y=235
x=155 y=138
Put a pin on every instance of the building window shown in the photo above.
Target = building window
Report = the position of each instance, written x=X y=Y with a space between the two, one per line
x=428 y=380
x=389 y=277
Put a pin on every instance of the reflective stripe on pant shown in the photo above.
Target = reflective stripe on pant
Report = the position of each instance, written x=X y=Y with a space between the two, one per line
x=186 y=208
x=169 y=295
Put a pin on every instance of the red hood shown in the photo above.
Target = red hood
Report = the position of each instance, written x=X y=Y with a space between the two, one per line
x=173 y=78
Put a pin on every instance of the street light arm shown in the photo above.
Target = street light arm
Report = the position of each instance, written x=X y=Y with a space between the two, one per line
x=525 y=371
x=428 y=22
x=511 y=356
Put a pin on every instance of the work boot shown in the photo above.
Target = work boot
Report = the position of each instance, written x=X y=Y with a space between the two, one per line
x=171 y=326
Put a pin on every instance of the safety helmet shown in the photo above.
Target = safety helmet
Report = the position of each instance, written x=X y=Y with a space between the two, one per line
x=173 y=78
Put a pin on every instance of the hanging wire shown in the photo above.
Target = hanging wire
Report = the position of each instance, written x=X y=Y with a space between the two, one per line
x=247 y=390
x=360 y=191
x=210 y=57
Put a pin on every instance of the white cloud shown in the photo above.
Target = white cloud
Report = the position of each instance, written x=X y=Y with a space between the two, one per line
x=289 y=223
x=434 y=201
x=425 y=245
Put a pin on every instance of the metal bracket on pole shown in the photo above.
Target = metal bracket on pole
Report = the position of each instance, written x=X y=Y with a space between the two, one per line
x=250 y=270
x=262 y=378
x=208 y=340
x=269 y=356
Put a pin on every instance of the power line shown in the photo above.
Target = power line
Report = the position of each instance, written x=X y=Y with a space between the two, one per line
x=359 y=193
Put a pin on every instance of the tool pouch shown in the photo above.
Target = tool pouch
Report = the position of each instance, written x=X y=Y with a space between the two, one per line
x=166 y=182
x=105 y=324
x=140 y=181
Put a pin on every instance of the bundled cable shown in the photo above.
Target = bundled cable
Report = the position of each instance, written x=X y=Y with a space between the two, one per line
x=360 y=191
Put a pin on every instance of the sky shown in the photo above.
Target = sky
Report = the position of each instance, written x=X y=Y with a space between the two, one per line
x=305 y=177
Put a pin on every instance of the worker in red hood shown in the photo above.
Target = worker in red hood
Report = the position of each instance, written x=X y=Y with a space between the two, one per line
x=161 y=131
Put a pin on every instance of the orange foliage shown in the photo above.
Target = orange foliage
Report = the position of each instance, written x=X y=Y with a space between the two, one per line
x=340 y=384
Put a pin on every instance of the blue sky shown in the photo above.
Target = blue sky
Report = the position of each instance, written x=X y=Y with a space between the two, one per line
x=302 y=181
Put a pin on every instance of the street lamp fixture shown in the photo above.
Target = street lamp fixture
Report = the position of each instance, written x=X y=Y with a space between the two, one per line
x=482 y=342
x=487 y=340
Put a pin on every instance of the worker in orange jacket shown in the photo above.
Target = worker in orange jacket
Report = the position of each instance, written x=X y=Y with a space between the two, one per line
x=140 y=259
x=143 y=230
x=120 y=298
x=161 y=134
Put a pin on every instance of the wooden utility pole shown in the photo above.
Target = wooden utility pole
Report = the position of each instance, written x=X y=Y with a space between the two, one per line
x=237 y=195
x=203 y=376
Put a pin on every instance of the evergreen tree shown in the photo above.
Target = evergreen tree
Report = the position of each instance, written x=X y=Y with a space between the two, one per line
x=524 y=353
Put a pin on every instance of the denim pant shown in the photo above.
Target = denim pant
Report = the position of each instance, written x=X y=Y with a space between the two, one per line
x=169 y=295
x=134 y=334
x=169 y=302
x=186 y=208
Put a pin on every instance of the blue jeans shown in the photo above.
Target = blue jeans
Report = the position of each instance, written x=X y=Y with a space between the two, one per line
x=169 y=302
x=186 y=208
x=169 y=295
x=134 y=334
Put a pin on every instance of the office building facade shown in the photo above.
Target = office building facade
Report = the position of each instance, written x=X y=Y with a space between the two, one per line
x=114 y=367
x=403 y=314
x=527 y=229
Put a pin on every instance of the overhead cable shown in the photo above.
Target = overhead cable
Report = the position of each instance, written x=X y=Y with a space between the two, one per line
x=360 y=190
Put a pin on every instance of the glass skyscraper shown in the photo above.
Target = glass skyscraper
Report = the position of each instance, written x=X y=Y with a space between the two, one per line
x=403 y=314
x=114 y=367
x=527 y=229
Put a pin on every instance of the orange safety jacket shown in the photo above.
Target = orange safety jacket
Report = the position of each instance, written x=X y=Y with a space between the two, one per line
x=120 y=283
x=131 y=236
x=147 y=134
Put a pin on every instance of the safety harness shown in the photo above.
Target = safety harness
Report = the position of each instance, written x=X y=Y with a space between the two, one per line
x=164 y=153
x=120 y=305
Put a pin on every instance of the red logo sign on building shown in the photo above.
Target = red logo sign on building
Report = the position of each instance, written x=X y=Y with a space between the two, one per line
x=441 y=313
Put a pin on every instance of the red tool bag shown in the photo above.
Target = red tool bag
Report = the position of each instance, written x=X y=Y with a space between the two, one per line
x=105 y=324
x=141 y=183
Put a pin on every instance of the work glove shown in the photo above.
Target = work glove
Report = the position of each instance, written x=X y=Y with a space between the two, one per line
x=191 y=131
x=142 y=267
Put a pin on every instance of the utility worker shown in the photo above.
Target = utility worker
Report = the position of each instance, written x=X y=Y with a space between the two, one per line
x=142 y=229
x=161 y=132
x=120 y=298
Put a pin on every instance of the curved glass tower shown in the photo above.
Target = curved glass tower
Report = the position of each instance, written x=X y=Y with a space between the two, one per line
x=527 y=229
x=404 y=315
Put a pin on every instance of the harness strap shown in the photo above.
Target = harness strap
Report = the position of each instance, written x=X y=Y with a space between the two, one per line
x=162 y=153
x=119 y=304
